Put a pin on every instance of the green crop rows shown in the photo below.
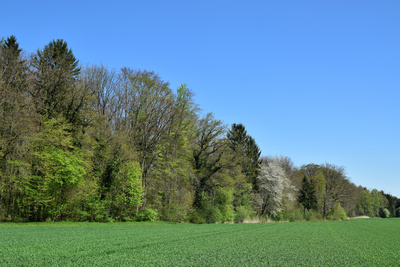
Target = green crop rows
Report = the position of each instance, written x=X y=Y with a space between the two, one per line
x=366 y=242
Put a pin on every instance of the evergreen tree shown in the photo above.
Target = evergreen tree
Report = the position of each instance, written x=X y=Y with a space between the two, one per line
x=55 y=69
x=307 y=195
x=247 y=152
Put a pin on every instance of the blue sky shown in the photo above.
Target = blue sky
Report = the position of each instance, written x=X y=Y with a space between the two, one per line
x=317 y=81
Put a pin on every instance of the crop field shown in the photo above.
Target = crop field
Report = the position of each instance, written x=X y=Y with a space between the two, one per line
x=363 y=242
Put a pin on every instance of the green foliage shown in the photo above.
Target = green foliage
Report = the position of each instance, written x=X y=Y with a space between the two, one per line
x=365 y=203
x=57 y=55
x=307 y=195
x=223 y=202
x=385 y=213
x=313 y=216
x=100 y=145
x=279 y=217
x=197 y=217
x=241 y=214
x=147 y=214
x=58 y=168
x=56 y=69
x=398 y=212
x=296 y=215
x=213 y=215
x=127 y=189
x=246 y=152
x=338 y=212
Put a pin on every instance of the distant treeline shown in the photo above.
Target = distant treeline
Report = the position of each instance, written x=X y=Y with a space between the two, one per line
x=85 y=143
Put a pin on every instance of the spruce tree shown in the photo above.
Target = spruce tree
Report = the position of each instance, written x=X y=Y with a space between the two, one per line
x=56 y=70
x=307 y=195
x=247 y=152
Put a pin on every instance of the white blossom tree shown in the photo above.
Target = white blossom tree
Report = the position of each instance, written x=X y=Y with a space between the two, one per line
x=274 y=188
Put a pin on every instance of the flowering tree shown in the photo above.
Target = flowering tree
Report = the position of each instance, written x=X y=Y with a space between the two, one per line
x=274 y=187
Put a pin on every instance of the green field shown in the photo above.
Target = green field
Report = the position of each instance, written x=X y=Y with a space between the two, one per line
x=363 y=242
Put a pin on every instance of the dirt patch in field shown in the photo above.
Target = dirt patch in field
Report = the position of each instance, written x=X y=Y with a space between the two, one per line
x=253 y=220
x=360 y=217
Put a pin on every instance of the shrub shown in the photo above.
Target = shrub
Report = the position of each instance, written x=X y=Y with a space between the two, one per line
x=243 y=213
x=308 y=215
x=175 y=213
x=338 y=212
x=213 y=215
x=127 y=218
x=384 y=213
x=83 y=215
x=197 y=218
x=295 y=215
x=398 y=212
x=279 y=217
x=147 y=214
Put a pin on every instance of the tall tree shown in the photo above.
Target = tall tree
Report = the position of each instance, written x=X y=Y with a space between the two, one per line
x=172 y=178
x=246 y=151
x=307 y=195
x=207 y=154
x=337 y=188
x=365 y=203
x=146 y=110
x=15 y=125
x=57 y=170
x=275 y=187
x=55 y=70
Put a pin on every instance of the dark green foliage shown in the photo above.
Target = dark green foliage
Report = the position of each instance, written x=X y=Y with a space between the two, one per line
x=246 y=152
x=384 y=213
x=11 y=43
x=55 y=69
x=307 y=196
x=393 y=203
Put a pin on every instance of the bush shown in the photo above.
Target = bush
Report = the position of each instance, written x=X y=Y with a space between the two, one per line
x=308 y=215
x=292 y=217
x=295 y=215
x=279 y=217
x=175 y=213
x=384 y=213
x=338 y=213
x=83 y=215
x=214 y=215
x=147 y=214
x=243 y=213
x=127 y=218
x=197 y=218
x=397 y=212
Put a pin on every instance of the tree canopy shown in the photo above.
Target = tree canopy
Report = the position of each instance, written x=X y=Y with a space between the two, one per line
x=86 y=143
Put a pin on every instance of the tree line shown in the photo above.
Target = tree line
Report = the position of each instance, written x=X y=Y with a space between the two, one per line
x=86 y=143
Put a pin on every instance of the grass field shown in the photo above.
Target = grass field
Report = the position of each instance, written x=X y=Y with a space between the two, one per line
x=363 y=242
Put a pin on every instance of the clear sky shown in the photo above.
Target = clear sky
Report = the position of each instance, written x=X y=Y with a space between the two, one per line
x=317 y=81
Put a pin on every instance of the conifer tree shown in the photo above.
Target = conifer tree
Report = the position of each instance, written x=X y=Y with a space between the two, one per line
x=307 y=195
x=55 y=69
x=247 y=152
